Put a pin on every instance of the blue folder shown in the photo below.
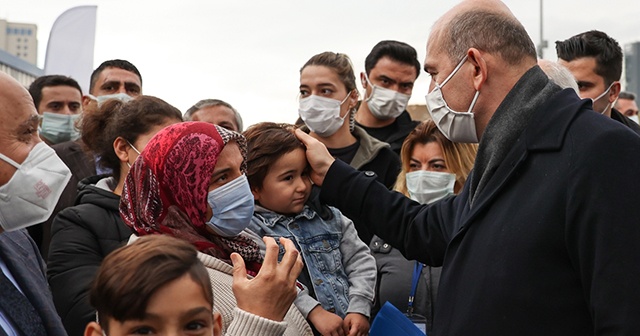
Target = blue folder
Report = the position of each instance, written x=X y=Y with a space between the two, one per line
x=391 y=322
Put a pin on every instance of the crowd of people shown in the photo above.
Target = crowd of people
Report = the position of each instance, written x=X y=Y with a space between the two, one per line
x=513 y=209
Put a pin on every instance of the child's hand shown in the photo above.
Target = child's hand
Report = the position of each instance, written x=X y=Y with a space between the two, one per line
x=356 y=324
x=328 y=324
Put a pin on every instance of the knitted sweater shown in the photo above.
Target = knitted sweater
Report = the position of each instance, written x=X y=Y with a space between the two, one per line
x=236 y=322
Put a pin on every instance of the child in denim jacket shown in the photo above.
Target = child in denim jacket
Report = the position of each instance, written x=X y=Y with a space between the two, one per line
x=340 y=273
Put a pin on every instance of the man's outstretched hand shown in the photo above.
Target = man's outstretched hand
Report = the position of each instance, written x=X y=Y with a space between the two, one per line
x=318 y=156
x=272 y=291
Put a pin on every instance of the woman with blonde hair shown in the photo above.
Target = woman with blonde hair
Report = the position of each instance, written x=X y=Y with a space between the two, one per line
x=433 y=168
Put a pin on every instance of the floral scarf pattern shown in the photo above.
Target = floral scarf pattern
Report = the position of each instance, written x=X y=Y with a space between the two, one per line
x=166 y=189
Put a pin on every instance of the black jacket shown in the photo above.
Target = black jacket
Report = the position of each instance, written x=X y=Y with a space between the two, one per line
x=619 y=117
x=82 y=165
x=549 y=245
x=82 y=236
x=394 y=133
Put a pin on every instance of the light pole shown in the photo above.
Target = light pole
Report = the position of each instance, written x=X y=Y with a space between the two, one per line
x=543 y=42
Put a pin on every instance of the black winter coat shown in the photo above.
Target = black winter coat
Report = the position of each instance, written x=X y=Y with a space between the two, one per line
x=82 y=236
x=549 y=246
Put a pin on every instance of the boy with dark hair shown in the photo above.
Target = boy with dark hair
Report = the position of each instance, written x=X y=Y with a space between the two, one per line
x=157 y=284
x=340 y=273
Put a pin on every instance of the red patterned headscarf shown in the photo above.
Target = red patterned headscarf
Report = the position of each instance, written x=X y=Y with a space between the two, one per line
x=166 y=189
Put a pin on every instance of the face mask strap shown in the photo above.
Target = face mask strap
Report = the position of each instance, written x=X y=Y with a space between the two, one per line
x=464 y=59
x=473 y=102
x=133 y=147
x=345 y=98
x=366 y=77
x=9 y=161
x=603 y=93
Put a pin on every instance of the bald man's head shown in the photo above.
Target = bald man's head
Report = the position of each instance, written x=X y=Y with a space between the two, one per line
x=486 y=25
x=19 y=126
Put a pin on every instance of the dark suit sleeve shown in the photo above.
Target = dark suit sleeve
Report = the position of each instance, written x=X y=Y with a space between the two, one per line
x=420 y=232
x=75 y=256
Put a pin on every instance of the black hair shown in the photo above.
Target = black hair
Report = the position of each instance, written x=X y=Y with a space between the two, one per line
x=35 y=89
x=116 y=63
x=395 y=50
x=596 y=44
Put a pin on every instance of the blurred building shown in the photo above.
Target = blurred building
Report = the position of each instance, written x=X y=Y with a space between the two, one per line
x=632 y=68
x=19 y=39
x=19 y=51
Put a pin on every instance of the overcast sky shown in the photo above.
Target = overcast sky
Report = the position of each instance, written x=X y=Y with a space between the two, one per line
x=249 y=53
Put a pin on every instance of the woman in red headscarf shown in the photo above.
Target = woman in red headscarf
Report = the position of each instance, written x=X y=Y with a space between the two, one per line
x=189 y=183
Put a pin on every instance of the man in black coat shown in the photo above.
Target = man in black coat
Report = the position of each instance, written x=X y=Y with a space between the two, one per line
x=390 y=70
x=542 y=239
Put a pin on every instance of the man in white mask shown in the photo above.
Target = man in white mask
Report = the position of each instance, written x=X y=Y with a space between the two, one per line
x=113 y=79
x=543 y=237
x=31 y=178
x=626 y=104
x=391 y=68
x=595 y=60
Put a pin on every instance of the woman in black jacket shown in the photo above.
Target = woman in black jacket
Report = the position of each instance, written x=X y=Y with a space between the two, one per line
x=84 y=234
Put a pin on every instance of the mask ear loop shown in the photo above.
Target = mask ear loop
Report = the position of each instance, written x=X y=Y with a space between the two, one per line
x=373 y=87
x=9 y=161
x=455 y=70
x=134 y=149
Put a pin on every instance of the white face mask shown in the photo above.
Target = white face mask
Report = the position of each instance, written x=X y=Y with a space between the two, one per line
x=32 y=193
x=634 y=118
x=385 y=103
x=427 y=187
x=59 y=128
x=594 y=100
x=322 y=115
x=123 y=97
x=456 y=126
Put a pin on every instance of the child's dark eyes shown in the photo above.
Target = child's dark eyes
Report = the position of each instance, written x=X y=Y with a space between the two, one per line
x=143 y=331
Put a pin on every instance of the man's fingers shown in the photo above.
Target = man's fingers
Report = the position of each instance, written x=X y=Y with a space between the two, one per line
x=239 y=269
x=271 y=255
x=304 y=137
x=291 y=254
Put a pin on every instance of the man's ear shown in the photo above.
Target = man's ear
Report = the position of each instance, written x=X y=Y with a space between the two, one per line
x=614 y=92
x=88 y=104
x=217 y=324
x=363 y=80
x=93 y=329
x=480 y=67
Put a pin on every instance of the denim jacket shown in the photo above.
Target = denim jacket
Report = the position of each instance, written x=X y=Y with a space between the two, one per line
x=340 y=265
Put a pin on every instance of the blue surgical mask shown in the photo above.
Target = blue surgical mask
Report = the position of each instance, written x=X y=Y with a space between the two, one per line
x=232 y=205
x=123 y=97
x=59 y=128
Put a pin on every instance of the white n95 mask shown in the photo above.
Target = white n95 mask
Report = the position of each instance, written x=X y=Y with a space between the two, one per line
x=385 y=103
x=32 y=193
x=456 y=126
